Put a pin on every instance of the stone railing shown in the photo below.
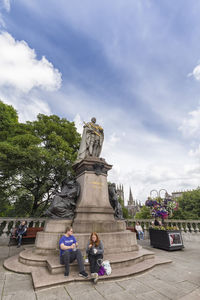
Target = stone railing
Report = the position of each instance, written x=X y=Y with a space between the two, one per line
x=8 y=224
x=183 y=225
x=190 y=229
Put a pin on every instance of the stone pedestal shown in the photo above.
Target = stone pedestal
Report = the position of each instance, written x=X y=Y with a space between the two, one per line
x=93 y=211
x=47 y=241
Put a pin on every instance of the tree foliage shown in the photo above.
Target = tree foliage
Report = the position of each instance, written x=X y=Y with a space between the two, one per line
x=144 y=213
x=124 y=209
x=34 y=159
x=189 y=206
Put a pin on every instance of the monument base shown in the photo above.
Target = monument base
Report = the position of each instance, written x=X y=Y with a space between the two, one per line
x=99 y=226
x=93 y=203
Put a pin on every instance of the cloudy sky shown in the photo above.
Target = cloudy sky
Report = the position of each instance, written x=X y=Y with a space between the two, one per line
x=134 y=65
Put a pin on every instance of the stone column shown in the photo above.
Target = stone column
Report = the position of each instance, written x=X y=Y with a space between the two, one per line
x=93 y=210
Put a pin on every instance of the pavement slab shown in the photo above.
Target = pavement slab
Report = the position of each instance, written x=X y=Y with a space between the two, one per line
x=195 y=295
x=20 y=295
x=53 y=294
x=1 y=286
x=186 y=286
x=12 y=286
x=152 y=295
x=134 y=287
x=2 y=276
x=121 y=295
x=108 y=288
x=162 y=287
x=179 y=280
x=87 y=295
x=78 y=288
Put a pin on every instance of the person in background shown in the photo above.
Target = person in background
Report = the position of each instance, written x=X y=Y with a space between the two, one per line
x=139 y=230
x=156 y=222
x=69 y=252
x=21 y=231
x=94 y=251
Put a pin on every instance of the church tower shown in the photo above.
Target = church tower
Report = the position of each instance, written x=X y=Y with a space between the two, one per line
x=131 y=202
x=120 y=192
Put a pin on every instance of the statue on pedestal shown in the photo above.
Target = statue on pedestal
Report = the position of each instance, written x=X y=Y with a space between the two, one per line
x=114 y=202
x=92 y=140
x=64 y=203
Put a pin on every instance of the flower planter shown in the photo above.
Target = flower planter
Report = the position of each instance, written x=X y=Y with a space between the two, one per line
x=166 y=239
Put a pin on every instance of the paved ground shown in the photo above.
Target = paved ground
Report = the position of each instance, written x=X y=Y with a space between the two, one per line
x=178 y=280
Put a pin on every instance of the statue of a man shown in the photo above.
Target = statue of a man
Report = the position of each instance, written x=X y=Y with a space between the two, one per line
x=92 y=140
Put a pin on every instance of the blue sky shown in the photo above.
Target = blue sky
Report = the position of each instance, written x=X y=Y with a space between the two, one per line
x=134 y=65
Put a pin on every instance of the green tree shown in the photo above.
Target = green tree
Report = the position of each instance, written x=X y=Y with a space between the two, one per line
x=189 y=206
x=8 y=120
x=124 y=209
x=144 y=213
x=34 y=158
x=8 y=124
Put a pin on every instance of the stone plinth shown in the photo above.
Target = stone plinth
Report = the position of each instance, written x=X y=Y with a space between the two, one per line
x=93 y=214
x=93 y=211
x=47 y=241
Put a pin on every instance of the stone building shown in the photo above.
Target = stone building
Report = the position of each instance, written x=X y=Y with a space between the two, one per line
x=120 y=192
x=133 y=206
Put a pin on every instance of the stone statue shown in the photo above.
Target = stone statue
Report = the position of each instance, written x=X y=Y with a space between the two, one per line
x=92 y=140
x=114 y=202
x=64 y=203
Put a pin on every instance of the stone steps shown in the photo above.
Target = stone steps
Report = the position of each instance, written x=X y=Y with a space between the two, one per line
x=28 y=257
x=42 y=278
x=46 y=270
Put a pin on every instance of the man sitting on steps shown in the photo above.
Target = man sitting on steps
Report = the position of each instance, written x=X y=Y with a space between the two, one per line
x=69 y=252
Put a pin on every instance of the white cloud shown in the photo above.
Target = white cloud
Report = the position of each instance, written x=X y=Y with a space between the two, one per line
x=196 y=72
x=78 y=123
x=191 y=125
x=141 y=159
x=25 y=81
x=27 y=106
x=20 y=68
x=2 y=23
x=32 y=109
x=6 y=4
x=195 y=152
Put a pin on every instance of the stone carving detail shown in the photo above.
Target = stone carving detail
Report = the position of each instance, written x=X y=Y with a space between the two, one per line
x=63 y=203
x=92 y=140
x=113 y=198
x=98 y=168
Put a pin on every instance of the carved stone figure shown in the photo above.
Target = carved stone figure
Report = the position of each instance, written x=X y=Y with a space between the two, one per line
x=113 y=198
x=64 y=203
x=92 y=140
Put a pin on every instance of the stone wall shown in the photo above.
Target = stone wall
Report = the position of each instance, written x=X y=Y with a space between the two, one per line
x=8 y=224
x=190 y=228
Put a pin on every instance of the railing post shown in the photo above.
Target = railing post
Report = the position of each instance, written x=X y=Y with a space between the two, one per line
x=186 y=227
x=5 y=230
x=197 y=227
x=191 y=227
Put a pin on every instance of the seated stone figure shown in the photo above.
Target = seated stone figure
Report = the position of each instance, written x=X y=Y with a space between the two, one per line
x=113 y=198
x=64 y=203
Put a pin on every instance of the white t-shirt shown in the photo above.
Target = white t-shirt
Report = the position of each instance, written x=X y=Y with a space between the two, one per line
x=138 y=228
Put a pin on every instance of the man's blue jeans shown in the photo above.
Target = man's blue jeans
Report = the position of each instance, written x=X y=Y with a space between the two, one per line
x=140 y=235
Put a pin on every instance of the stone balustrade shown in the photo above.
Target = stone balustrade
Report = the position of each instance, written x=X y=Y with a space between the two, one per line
x=8 y=224
x=183 y=225
x=189 y=228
